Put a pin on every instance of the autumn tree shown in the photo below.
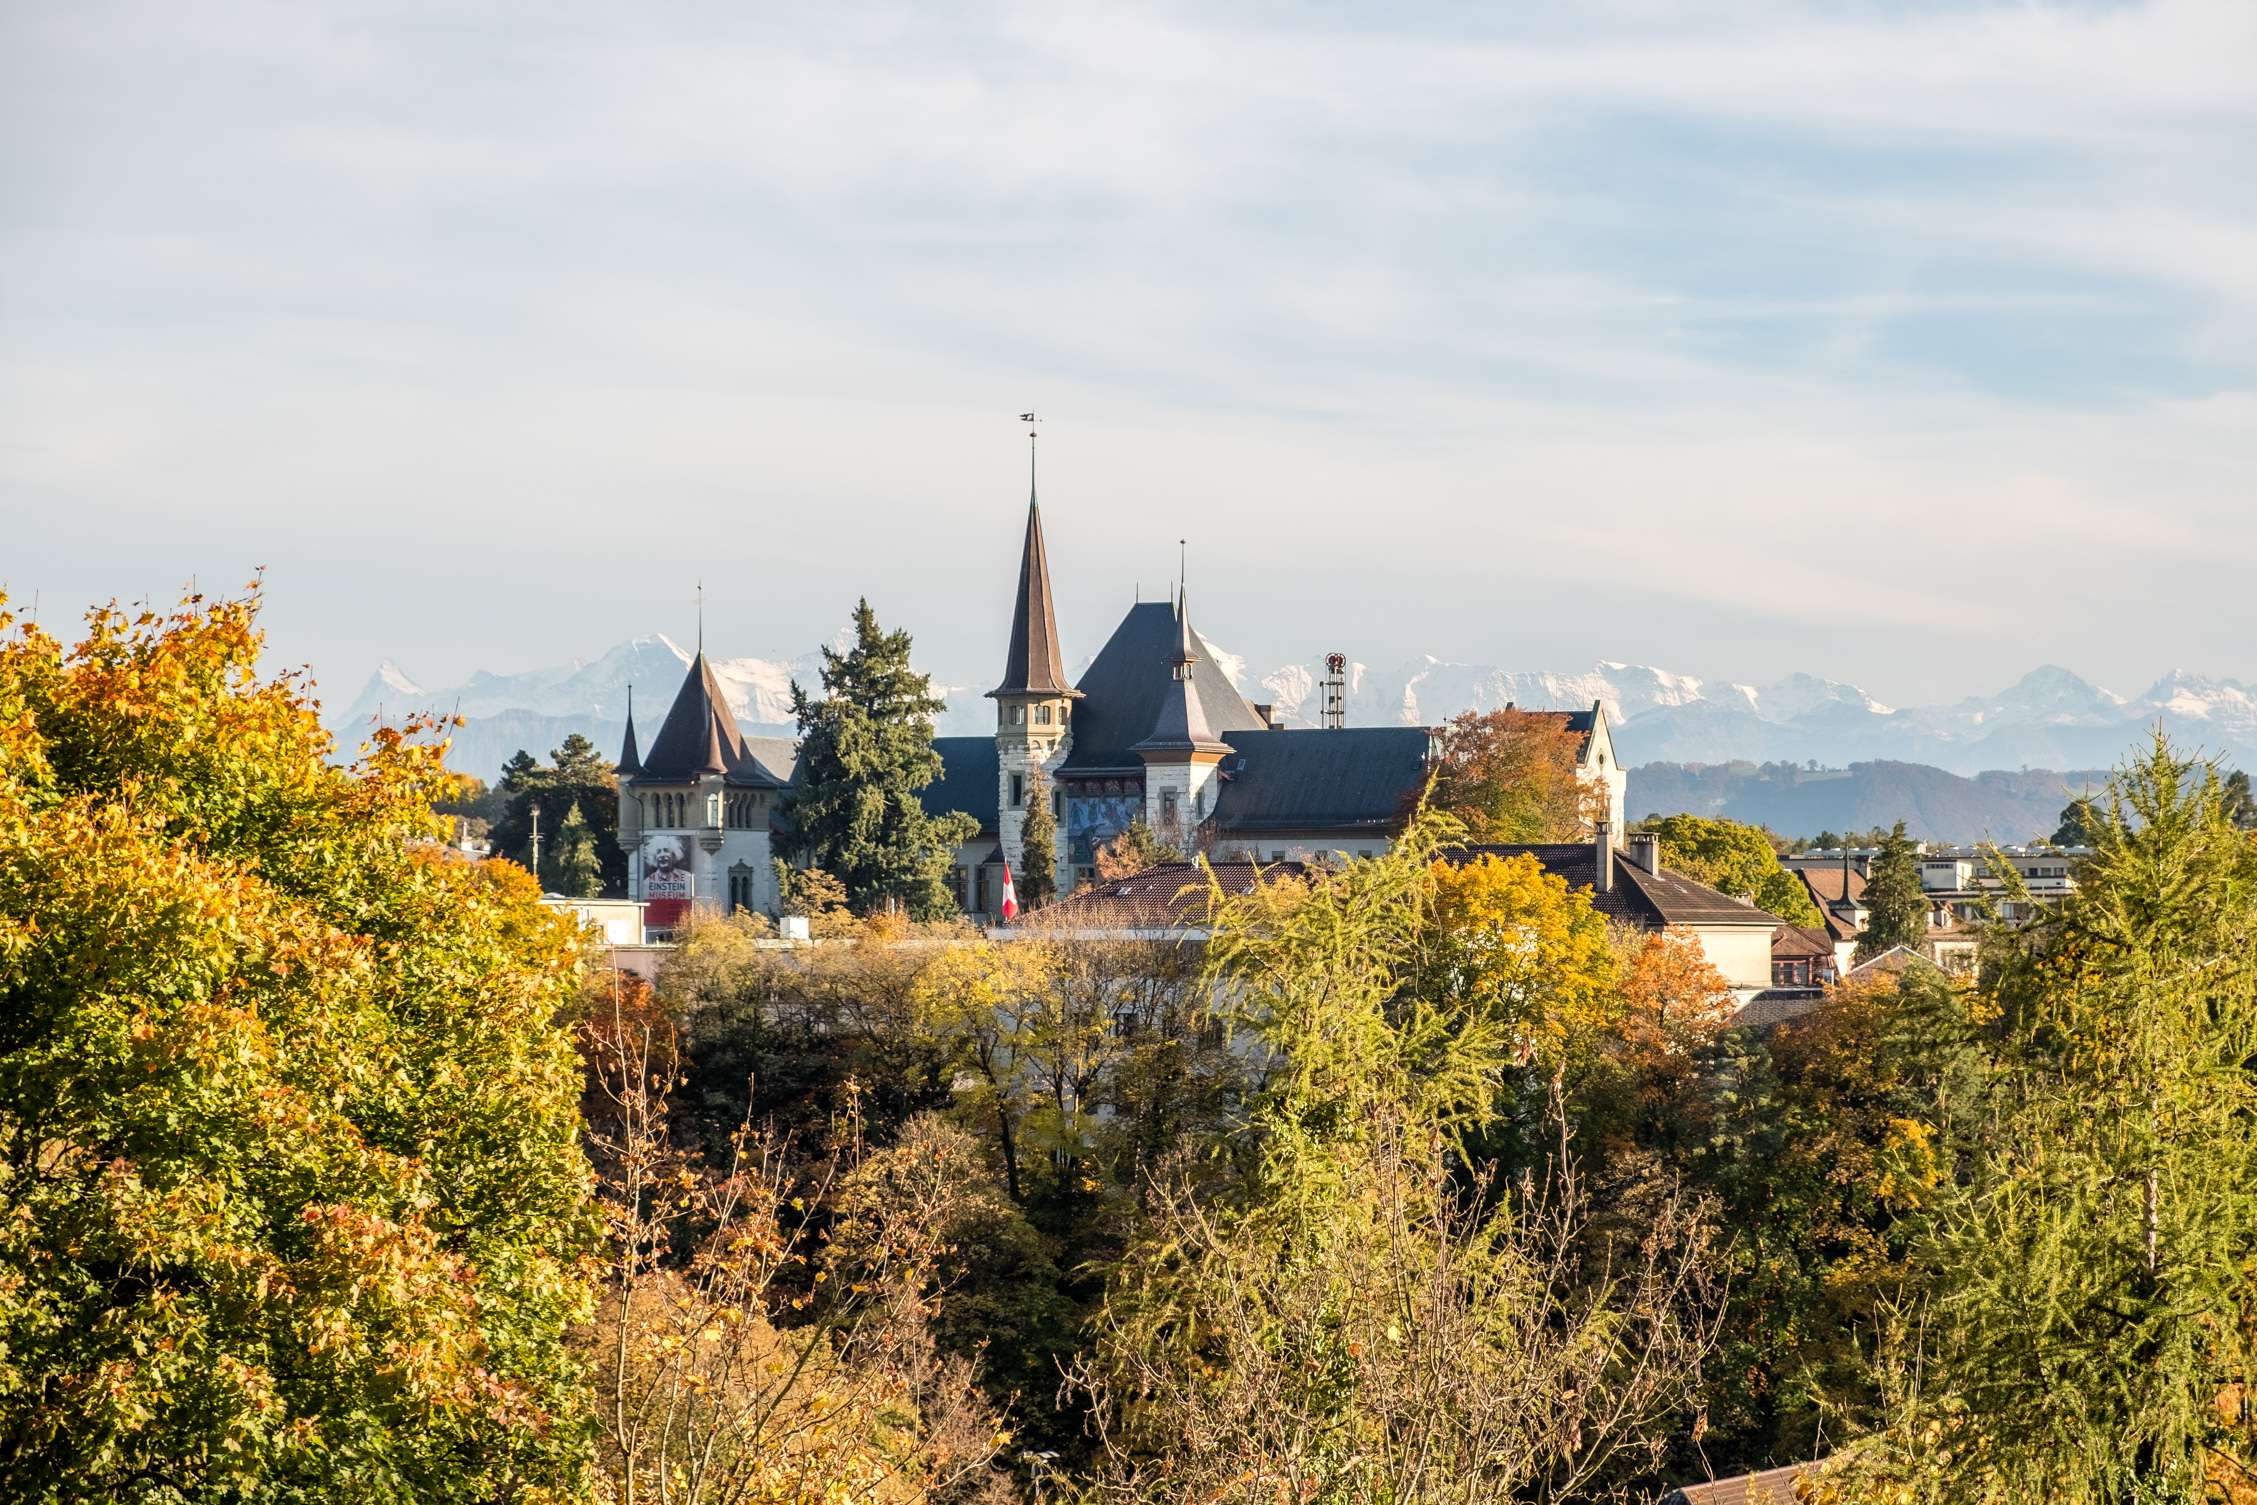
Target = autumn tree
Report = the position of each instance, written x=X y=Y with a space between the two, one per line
x=1038 y=840
x=293 y=1207
x=1896 y=906
x=1736 y=859
x=865 y=751
x=1512 y=776
x=1343 y=1320
x=1133 y=850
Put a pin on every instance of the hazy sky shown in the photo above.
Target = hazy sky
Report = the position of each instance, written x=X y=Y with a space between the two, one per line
x=1911 y=344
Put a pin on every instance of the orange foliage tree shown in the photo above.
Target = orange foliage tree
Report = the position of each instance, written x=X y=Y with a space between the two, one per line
x=291 y=1205
x=1511 y=776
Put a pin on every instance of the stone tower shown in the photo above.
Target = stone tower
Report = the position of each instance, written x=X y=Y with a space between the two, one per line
x=1033 y=707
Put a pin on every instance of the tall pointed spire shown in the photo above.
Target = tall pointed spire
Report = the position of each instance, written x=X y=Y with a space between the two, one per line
x=700 y=732
x=630 y=762
x=1032 y=666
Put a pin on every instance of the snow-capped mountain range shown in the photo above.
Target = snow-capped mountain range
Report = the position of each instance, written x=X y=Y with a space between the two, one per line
x=2050 y=718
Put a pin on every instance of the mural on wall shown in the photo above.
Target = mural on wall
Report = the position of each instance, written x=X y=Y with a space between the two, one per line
x=666 y=880
x=1097 y=817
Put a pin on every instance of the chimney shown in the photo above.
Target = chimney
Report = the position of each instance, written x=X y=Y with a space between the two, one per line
x=1645 y=850
x=1266 y=712
x=1604 y=842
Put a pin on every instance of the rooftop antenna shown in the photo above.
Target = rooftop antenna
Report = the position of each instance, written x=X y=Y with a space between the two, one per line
x=1030 y=421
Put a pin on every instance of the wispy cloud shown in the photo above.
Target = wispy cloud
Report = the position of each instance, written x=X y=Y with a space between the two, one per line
x=1742 y=337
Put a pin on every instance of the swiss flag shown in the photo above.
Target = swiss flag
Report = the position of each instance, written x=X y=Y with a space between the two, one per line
x=1010 y=894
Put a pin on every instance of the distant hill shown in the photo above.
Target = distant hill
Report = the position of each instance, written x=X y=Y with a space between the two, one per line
x=1796 y=801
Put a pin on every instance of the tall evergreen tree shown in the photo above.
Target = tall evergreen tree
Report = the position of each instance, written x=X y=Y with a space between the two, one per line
x=578 y=777
x=865 y=749
x=579 y=874
x=2093 y=1317
x=2239 y=804
x=1895 y=904
x=1038 y=865
x=2077 y=822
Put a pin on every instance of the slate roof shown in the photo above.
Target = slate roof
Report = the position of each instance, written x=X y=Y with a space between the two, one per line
x=1180 y=724
x=700 y=736
x=1123 y=687
x=1649 y=901
x=1356 y=778
x=1031 y=664
x=1775 y=1486
x=968 y=779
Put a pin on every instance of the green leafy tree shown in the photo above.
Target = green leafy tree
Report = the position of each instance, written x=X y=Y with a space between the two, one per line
x=1736 y=859
x=2091 y=1323
x=865 y=750
x=1038 y=869
x=1896 y=907
x=2239 y=805
x=2078 y=821
x=579 y=872
x=577 y=778
x=291 y=1205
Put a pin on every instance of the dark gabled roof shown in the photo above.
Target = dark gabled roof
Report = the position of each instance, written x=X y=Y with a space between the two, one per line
x=1358 y=778
x=700 y=736
x=1180 y=726
x=1031 y=665
x=1771 y=1487
x=1123 y=687
x=967 y=782
x=1650 y=901
x=777 y=757
x=1826 y=883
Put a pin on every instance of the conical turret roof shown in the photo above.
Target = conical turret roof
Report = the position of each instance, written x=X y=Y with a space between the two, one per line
x=699 y=735
x=1032 y=665
x=1181 y=725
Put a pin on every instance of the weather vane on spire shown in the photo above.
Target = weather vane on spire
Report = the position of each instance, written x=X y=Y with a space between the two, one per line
x=1030 y=421
x=701 y=618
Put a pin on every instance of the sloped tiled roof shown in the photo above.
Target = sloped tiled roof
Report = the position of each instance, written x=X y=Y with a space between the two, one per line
x=1776 y=1006
x=1794 y=942
x=1647 y=900
x=1123 y=687
x=1825 y=884
x=1358 y=778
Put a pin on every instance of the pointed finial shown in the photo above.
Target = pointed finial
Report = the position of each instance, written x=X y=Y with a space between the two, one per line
x=1030 y=421
x=1183 y=568
x=701 y=619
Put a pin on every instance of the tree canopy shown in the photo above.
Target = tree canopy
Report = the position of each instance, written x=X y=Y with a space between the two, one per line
x=292 y=1207
x=1736 y=859
x=579 y=781
x=865 y=749
x=1511 y=776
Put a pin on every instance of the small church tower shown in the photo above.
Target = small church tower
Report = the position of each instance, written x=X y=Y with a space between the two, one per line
x=1033 y=707
x=1182 y=751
